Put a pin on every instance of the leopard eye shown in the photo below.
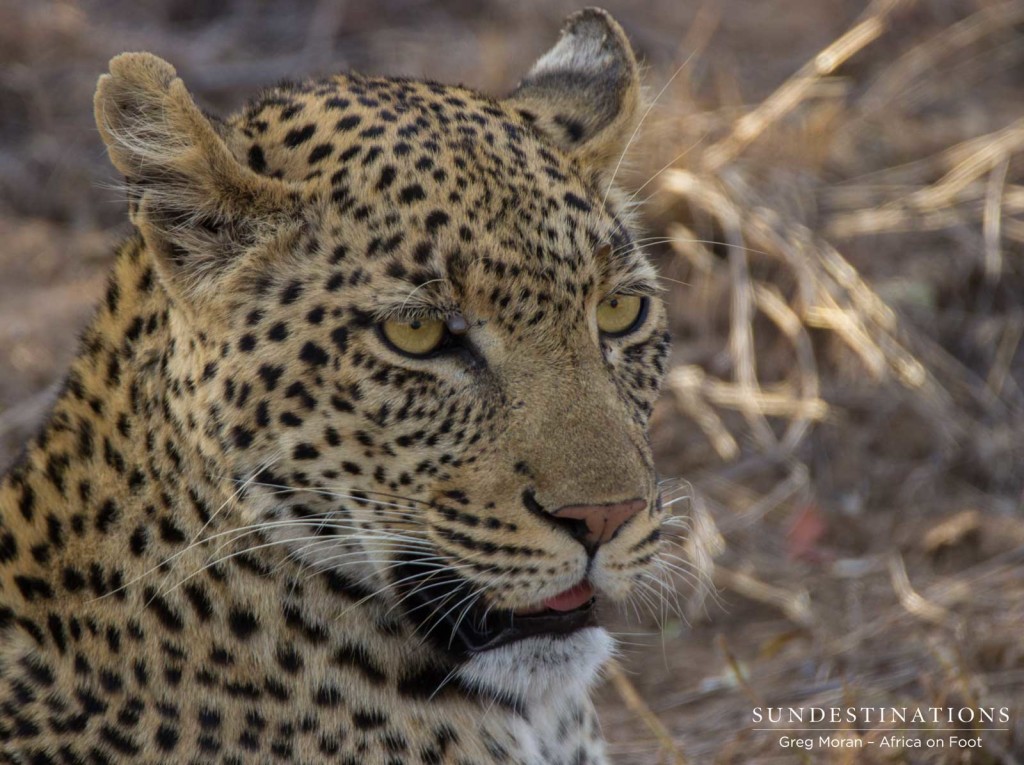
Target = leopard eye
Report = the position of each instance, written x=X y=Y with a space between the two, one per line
x=415 y=338
x=620 y=314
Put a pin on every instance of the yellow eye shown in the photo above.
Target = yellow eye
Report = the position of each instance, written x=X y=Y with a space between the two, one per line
x=416 y=338
x=618 y=314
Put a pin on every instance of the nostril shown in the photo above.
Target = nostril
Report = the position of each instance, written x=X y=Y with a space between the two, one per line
x=577 y=527
x=603 y=521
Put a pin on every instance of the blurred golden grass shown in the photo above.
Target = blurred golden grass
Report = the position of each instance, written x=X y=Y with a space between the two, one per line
x=798 y=322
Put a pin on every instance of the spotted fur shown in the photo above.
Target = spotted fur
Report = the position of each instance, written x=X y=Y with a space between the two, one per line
x=197 y=552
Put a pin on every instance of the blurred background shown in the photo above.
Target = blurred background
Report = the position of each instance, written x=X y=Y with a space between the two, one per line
x=834 y=193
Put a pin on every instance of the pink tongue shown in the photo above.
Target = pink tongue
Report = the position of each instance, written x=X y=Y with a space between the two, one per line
x=570 y=599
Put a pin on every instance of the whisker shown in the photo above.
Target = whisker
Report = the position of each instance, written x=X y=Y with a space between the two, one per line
x=282 y=489
x=639 y=124
x=668 y=165
x=240 y=490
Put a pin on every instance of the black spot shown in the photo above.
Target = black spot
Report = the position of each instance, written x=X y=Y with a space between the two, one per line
x=169 y=532
x=141 y=673
x=262 y=414
x=208 y=718
x=167 y=616
x=313 y=354
x=319 y=152
x=341 y=404
x=242 y=436
x=8 y=547
x=305 y=452
x=111 y=681
x=338 y=254
x=347 y=123
x=74 y=580
x=270 y=375
x=139 y=540
x=106 y=516
x=56 y=467
x=291 y=293
x=412 y=193
x=339 y=336
x=200 y=601
x=299 y=136
x=578 y=202
x=113 y=297
x=357 y=657
x=289 y=659
x=436 y=219
x=368 y=719
x=327 y=696
x=256 y=159
x=243 y=624
x=422 y=253
x=387 y=177
x=349 y=153
x=573 y=128
x=166 y=737
x=32 y=587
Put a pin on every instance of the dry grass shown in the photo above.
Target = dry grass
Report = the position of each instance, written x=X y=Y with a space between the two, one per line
x=835 y=195
x=898 y=583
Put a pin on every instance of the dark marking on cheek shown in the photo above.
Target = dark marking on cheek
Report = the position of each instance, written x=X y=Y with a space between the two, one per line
x=257 y=160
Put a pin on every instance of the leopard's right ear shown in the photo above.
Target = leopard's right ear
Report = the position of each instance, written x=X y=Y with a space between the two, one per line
x=196 y=205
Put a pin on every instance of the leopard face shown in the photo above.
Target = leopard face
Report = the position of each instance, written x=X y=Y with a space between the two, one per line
x=412 y=329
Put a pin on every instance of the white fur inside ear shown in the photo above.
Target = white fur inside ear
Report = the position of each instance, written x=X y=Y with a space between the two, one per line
x=583 y=47
x=584 y=93
x=542 y=670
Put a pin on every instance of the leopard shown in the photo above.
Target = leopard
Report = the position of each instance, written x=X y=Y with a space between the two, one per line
x=355 y=448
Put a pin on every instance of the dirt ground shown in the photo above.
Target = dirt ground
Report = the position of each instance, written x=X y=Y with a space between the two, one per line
x=834 y=193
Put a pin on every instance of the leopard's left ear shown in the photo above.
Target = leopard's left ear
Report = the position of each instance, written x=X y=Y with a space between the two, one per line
x=584 y=93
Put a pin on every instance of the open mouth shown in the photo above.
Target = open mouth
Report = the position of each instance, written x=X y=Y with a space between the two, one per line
x=447 y=611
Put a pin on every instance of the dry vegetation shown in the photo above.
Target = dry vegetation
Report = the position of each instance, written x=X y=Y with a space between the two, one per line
x=835 y=195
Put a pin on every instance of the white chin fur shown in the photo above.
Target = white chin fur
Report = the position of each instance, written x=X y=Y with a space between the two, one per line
x=536 y=669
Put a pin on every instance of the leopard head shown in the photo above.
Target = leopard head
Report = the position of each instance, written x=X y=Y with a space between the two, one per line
x=413 y=326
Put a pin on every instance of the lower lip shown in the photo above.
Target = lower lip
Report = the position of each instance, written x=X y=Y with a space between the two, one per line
x=572 y=598
x=560 y=615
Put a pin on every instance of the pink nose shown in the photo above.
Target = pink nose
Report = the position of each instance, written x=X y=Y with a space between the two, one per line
x=598 y=524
